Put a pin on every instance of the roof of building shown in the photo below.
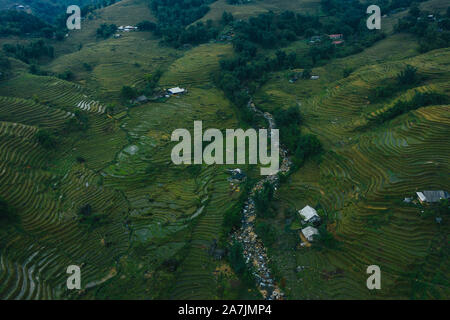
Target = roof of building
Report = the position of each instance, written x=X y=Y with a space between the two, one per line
x=338 y=35
x=176 y=90
x=309 y=232
x=308 y=212
x=433 y=195
x=421 y=196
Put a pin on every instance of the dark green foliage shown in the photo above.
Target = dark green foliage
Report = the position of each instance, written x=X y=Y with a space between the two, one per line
x=29 y=52
x=146 y=26
x=21 y=24
x=8 y=214
x=46 y=139
x=286 y=117
x=5 y=65
x=433 y=33
x=152 y=82
x=262 y=201
x=66 y=75
x=105 y=30
x=325 y=240
x=346 y=72
x=128 y=92
x=267 y=233
x=407 y=76
x=237 y=262
x=419 y=100
x=80 y=122
x=443 y=208
x=227 y=17
x=306 y=74
x=87 y=66
x=307 y=146
x=91 y=219
x=174 y=15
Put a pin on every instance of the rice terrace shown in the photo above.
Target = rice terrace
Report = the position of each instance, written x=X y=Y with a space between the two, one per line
x=92 y=205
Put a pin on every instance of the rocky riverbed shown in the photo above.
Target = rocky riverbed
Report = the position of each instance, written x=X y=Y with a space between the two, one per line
x=255 y=253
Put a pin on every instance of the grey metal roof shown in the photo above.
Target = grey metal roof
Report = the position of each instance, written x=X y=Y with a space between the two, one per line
x=435 y=195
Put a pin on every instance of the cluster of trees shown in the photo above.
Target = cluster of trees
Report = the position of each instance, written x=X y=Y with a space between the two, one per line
x=21 y=23
x=237 y=262
x=46 y=139
x=146 y=26
x=128 y=93
x=262 y=200
x=271 y=30
x=88 y=217
x=5 y=65
x=106 y=30
x=267 y=232
x=7 y=212
x=178 y=12
x=151 y=82
x=241 y=76
x=29 y=52
x=80 y=122
x=173 y=17
x=303 y=147
x=433 y=32
x=420 y=99
x=405 y=79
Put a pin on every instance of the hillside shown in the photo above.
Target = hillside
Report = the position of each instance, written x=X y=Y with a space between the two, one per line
x=86 y=171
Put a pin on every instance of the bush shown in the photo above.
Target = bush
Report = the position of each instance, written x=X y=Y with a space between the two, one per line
x=80 y=122
x=92 y=220
x=106 y=30
x=46 y=139
x=7 y=212
x=146 y=26
x=267 y=233
x=128 y=92
x=407 y=76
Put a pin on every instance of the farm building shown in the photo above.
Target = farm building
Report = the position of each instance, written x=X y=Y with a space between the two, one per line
x=310 y=232
x=336 y=36
x=309 y=214
x=176 y=90
x=237 y=174
x=432 y=196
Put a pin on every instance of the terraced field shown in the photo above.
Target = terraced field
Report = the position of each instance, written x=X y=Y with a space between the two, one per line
x=160 y=219
x=196 y=66
x=156 y=211
x=363 y=178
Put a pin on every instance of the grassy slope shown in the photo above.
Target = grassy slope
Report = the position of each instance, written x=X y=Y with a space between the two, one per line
x=256 y=7
x=152 y=221
x=365 y=174
x=129 y=175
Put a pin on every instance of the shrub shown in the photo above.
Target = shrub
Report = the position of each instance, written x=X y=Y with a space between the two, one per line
x=46 y=139
x=7 y=212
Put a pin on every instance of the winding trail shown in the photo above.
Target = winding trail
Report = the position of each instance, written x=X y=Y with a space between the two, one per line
x=255 y=254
